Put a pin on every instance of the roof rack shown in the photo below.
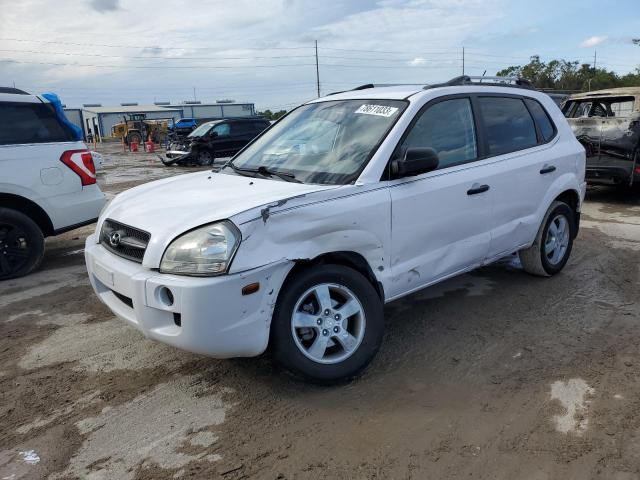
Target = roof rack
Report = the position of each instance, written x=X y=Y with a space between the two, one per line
x=12 y=90
x=482 y=80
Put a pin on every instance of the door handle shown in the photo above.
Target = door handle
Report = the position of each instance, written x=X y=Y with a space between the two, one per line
x=475 y=189
x=547 y=169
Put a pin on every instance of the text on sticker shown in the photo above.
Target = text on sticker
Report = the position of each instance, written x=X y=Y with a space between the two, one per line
x=380 y=110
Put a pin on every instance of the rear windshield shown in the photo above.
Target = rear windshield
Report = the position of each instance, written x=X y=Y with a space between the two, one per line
x=599 y=107
x=31 y=123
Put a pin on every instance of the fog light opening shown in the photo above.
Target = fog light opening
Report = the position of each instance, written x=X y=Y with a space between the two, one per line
x=166 y=296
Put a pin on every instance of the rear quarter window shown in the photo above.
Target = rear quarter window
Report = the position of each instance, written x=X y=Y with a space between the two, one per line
x=31 y=123
x=508 y=125
x=541 y=117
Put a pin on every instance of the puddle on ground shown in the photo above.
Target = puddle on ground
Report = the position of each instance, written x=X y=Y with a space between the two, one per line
x=574 y=396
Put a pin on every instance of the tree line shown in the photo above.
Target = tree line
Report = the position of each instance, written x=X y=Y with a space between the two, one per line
x=570 y=75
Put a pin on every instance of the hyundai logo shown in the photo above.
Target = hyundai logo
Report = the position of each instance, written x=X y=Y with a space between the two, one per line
x=114 y=239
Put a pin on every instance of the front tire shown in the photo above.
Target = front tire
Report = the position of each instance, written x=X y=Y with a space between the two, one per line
x=552 y=247
x=328 y=324
x=21 y=244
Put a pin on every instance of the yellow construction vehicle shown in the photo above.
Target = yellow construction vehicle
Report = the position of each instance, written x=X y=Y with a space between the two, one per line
x=136 y=128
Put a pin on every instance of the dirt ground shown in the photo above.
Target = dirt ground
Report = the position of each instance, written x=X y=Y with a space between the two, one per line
x=491 y=375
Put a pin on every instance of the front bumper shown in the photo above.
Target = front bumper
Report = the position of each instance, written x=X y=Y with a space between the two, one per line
x=176 y=153
x=209 y=316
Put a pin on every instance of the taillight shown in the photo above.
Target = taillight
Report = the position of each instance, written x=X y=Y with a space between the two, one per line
x=81 y=162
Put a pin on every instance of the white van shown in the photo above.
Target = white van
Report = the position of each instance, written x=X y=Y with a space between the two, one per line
x=350 y=201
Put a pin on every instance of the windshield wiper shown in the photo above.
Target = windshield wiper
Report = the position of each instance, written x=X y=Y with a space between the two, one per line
x=265 y=172
x=287 y=177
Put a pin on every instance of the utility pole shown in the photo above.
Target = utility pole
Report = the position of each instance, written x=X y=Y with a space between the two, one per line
x=317 y=71
x=194 y=94
x=462 y=60
x=595 y=57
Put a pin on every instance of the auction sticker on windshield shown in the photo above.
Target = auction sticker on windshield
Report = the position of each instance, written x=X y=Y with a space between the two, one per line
x=380 y=110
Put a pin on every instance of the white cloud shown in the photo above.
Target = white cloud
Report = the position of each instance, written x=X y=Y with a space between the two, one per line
x=204 y=34
x=594 y=41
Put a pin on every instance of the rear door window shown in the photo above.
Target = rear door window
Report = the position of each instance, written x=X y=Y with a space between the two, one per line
x=31 y=123
x=545 y=125
x=508 y=124
x=622 y=107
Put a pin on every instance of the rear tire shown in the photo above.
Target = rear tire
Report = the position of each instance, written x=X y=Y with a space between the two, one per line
x=552 y=247
x=21 y=244
x=326 y=337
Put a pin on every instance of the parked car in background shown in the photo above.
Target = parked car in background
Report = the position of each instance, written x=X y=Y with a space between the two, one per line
x=350 y=201
x=47 y=179
x=184 y=126
x=217 y=139
x=607 y=124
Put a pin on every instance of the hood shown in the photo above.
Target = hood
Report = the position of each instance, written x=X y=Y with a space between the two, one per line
x=167 y=208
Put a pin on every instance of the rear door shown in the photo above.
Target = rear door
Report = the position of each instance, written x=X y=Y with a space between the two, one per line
x=620 y=135
x=519 y=136
x=440 y=219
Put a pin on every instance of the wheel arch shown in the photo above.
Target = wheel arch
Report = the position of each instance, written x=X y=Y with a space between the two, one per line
x=571 y=198
x=349 y=259
x=30 y=209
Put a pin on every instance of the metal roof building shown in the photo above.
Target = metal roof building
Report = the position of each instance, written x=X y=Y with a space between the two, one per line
x=97 y=119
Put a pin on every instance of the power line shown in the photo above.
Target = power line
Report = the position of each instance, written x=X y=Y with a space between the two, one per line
x=154 y=57
x=143 y=46
x=163 y=67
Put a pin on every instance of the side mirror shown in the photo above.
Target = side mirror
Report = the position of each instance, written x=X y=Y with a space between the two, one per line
x=416 y=161
x=213 y=134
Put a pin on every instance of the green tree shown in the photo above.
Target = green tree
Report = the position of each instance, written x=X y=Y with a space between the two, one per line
x=569 y=75
x=269 y=115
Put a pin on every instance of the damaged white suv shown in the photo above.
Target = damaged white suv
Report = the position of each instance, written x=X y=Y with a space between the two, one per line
x=350 y=201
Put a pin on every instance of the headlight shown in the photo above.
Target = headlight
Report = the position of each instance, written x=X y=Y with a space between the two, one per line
x=205 y=251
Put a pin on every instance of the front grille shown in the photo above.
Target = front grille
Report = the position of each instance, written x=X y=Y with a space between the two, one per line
x=123 y=240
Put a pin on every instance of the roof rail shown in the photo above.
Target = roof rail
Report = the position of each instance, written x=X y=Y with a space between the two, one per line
x=12 y=90
x=489 y=81
x=376 y=85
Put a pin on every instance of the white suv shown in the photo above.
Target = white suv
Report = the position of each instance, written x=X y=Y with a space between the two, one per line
x=47 y=179
x=350 y=201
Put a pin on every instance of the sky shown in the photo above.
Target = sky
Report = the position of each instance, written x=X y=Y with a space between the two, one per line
x=113 y=51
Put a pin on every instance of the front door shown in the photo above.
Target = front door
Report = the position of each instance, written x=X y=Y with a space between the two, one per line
x=441 y=219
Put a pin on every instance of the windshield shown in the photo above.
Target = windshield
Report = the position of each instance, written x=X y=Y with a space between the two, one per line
x=325 y=143
x=201 y=130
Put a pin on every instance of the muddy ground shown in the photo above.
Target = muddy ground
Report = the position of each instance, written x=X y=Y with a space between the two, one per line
x=492 y=375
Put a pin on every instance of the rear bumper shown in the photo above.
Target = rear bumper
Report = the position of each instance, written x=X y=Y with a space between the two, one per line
x=615 y=172
x=209 y=316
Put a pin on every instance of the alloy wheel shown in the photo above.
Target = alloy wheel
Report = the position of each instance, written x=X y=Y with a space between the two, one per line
x=557 y=240
x=15 y=249
x=328 y=323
